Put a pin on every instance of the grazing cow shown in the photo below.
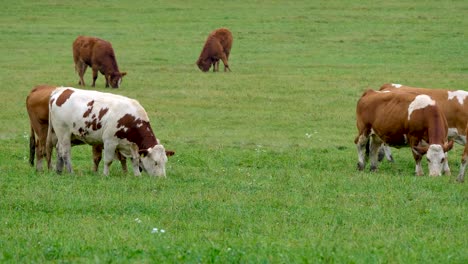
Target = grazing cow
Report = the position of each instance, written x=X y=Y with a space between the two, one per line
x=119 y=123
x=400 y=119
x=37 y=104
x=99 y=55
x=455 y=108
x=217 y=46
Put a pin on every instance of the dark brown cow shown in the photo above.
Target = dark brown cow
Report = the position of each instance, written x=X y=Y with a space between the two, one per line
x=401 y=119
x=455 y=107
x=99 y=55
x=37 y=104
x=217 y=47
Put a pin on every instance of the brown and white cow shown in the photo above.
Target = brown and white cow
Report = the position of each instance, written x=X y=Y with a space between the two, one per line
x=454 y=105
x=99 y=55
x=37 y=104
x=119 y=123
x=401 y=119
x=217 y=47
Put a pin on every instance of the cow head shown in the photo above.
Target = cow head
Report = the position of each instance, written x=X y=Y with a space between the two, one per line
x=436 y=157
x=154 y=160
x=115 y=79
x=204 y=65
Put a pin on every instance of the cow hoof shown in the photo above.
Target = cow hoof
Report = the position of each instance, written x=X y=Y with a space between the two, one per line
x=360 y=166
x=373 y=168
x=460 y=179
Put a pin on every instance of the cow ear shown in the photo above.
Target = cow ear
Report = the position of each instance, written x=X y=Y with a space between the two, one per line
x=170 y=153
x=123 y=74
x=143 y=152
x=418 y=150
x=448 y=146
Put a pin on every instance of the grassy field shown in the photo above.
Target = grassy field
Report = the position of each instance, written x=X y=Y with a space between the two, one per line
x=265 y=164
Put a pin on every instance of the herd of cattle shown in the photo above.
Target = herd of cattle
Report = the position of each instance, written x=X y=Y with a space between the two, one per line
x=427 y=120
x=116 y=125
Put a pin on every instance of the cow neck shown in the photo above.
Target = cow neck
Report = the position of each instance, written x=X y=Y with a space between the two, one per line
x=436 y=132
x=136 y=131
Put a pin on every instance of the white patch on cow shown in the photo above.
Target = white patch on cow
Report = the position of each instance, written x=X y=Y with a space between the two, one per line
x=396 y=85
x=459 y=94
x=139 y=125
x=385 y=91
x=421 y=101
x=120 y=81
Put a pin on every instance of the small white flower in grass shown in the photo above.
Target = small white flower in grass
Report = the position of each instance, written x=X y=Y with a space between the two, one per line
x=163 y=231
x=155 y=230
x=138 y=220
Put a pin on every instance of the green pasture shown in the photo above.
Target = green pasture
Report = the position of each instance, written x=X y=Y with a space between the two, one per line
x=265 y=164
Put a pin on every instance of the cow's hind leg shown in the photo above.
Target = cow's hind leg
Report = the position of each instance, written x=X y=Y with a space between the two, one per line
x=81 y=69
x=32 y=147
x=65 y=153
x=374 y=148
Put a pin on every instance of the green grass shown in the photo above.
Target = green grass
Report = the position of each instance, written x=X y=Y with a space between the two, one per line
x=265 y=164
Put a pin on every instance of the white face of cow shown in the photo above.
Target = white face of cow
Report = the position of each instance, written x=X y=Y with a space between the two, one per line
x=435 y=159
x=154 y=163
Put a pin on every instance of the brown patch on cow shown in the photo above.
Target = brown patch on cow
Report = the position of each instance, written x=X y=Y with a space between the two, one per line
x=64 y=97
x=102 y=112
x=137 y=131
x=90 y=109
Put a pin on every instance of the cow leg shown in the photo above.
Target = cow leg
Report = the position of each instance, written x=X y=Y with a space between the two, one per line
x=417 y=159
x=461 y=174
x=123 y=161
x=64 y=154
x=97 y=156
x=374 y=148
x=446 y=167
x=136 y=166
x=95 y=74
x=225 y=62
x=32 y=147
x=109 y=153
x=81 y=72
x=107 y=80
x=361 y=143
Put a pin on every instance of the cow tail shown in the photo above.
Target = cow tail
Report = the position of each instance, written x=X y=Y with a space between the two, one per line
x=49 y=143
x=32 y=147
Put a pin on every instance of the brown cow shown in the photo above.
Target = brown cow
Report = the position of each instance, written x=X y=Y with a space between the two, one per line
x=37 y=104
x=217 y=46
x=455 y=107
x=400 y=119
x=99 y=55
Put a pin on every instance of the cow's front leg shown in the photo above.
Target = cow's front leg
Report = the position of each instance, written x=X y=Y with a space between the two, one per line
x=417 y=159
x=446 y=167
x=374 y=148
x=109 y=152
x=461 y=174
x=95 y=73
x=361 y=150
x=136 y=166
